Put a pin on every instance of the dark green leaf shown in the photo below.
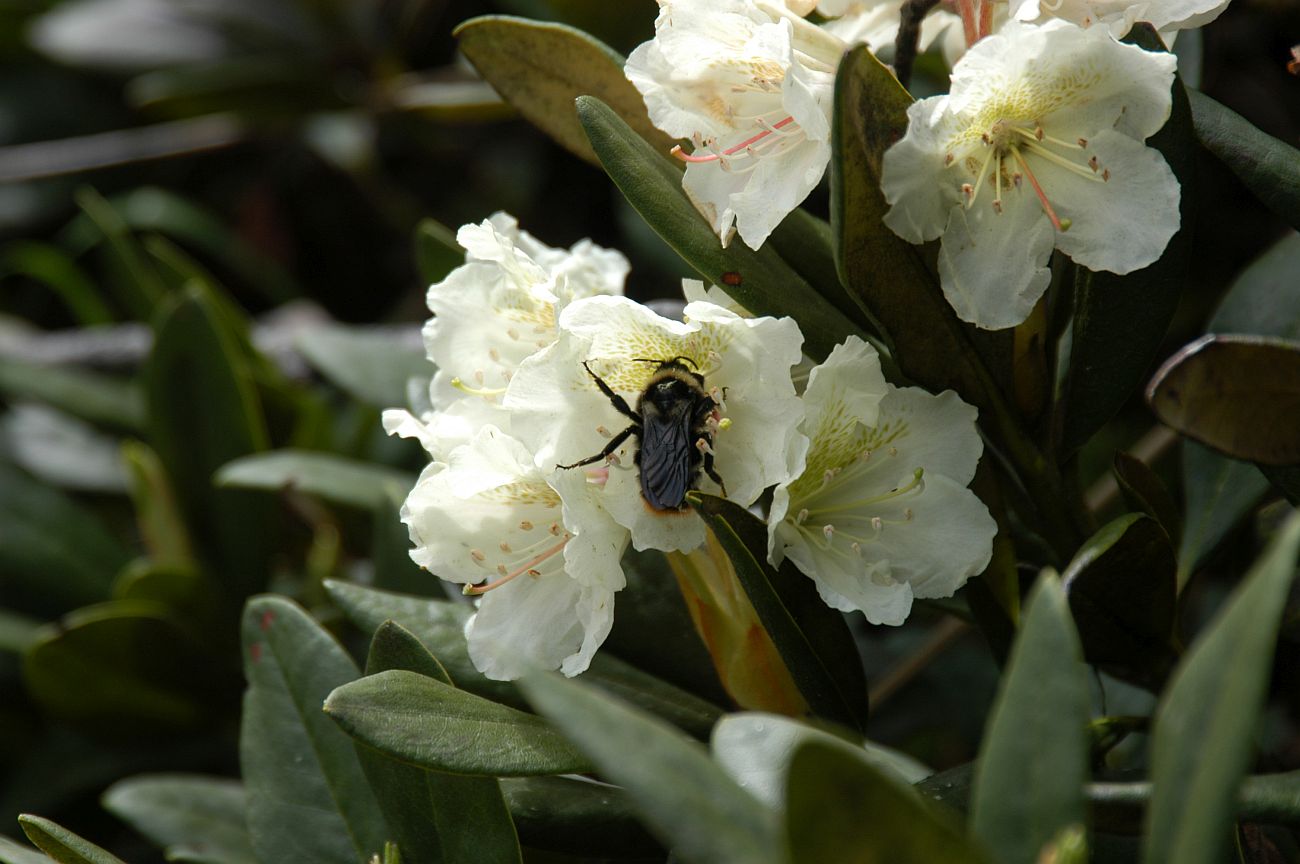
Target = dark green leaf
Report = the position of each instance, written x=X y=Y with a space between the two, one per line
x=138 y=284
x=577 y=817
x=40 y=571
x=813 y=639
x=540 y=68
x=1143 y=490
x=100 y=399
x=1218 y=492
x=1034 y=759
x=1120 y=321
x=308 y=799
x=840 y=808
x=390 y=553
x=1122 y=591
x=687 y=801
x=17 y=632
x=203 y=413
x=439 y=624
x=807 y=244
x=61 y=844
x=766 y=286
x=1239 y=395
x=162 y=527
x=123 y=668
x=1204 y=730
x=755 y=749
x=428 y=723
x=1265 y=298
x=334 y=478
x=1269 y=168
x=436 y=252
x=1271 y=799
x=434 y=817
x=888 y=276
x=193 y=817
x=374 y=365
x=53 y=267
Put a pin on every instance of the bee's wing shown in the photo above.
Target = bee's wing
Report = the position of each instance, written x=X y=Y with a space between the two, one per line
x=665 y=458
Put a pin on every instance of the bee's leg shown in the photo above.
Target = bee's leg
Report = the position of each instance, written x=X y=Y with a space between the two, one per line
x=713 y=472
x=609 y=448
x=619 y=403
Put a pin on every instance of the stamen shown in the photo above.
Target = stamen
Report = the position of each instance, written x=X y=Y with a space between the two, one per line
x=476 y=590
x=525 y=525
x=702 y=445
x=1042 y=197
x=802 y=517
x=917 y=482
x=724 y=424
x=1059 y=160
x=603 y=432
x=476 y=391
x=979 y=181
x=997 y=185
x=732 y=151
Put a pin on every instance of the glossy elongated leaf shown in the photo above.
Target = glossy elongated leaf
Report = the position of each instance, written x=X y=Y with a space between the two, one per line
x=1239 y=395
x=888 y=276
x=829 y=797
x=61 y=844
x=193 y=817
x=40 y=571
x=807 y=244
x=196 y=351
x=308 y=799
x=440 y=625
x=436 y=251
x=429 y=723
x=1203 y=734
x=1120 y=321
x=61 y=450
x=375 y=365
x=101 y=399
x=1034 y=759
x=578 y=817
x=812 y=638
x=434 y=817
x=123 y=667
x=161 y=525
x=1269 y=168
x=1122 y=591
x=54 y=267
x=137 y=283
x=334 y=478
x=686 y=800
x=756 y=748
x=1143 y=490
x=1219 y=491
x=760 y=281
x=17 y=632
x=540 y=68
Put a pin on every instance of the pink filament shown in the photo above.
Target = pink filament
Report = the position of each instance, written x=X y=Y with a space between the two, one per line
x=475 y=590
x=713 y=157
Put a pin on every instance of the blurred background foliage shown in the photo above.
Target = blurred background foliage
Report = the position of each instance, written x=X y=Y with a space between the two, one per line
x=206 y=220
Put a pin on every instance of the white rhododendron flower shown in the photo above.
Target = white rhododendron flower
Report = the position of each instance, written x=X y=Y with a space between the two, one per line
x=558 y=410
x=1039 y=144
x=750 y=84
x=1119 y=16
x=879 y=513
x=541 y=552
x=500 y=305
x=875 y=23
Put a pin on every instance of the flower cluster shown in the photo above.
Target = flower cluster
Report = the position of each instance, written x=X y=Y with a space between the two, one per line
x=544 y=402
x=1038 y=145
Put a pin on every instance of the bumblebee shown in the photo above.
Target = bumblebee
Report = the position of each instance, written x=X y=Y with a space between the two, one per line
x=673 y=424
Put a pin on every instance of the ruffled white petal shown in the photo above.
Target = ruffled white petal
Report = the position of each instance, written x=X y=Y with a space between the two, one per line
x=993 y=266
x=934 y=432
x=1124 y=223
x=913 y=176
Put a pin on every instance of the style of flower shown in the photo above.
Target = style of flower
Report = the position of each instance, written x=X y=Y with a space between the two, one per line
x=750 y=84
x=1119 y=16
x=1039 y=144
x=500 y=305
x=879 y=513
x=538 y=550
x=559 y=412
x=875 y=24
